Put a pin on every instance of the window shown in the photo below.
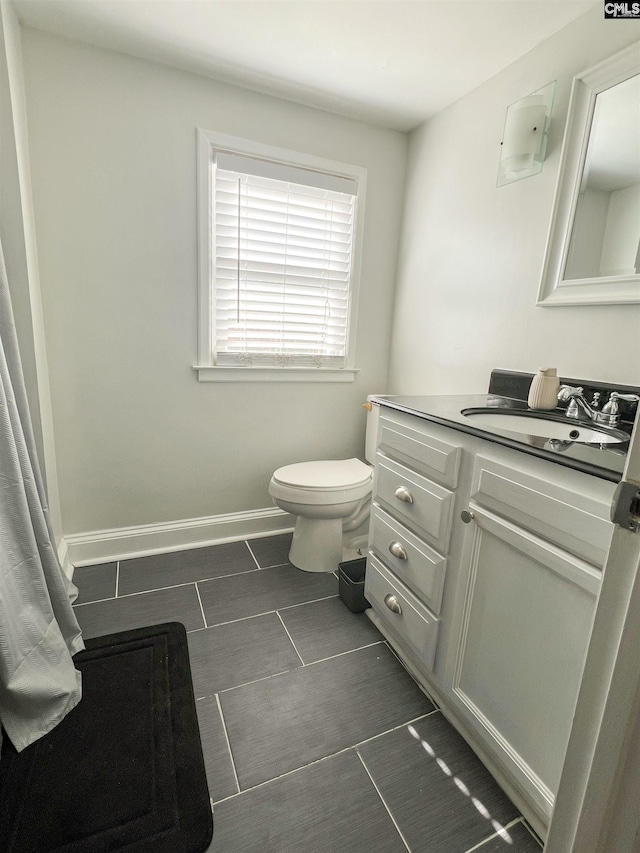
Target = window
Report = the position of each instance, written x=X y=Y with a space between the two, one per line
x=279 y=238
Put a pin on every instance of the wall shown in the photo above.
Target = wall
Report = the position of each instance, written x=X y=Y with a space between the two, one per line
x=139 y=440
x=471 y=254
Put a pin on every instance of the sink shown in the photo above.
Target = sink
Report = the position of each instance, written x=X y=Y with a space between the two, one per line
x=546 y=427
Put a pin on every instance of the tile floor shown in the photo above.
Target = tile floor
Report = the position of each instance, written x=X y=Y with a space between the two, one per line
x=315 y=737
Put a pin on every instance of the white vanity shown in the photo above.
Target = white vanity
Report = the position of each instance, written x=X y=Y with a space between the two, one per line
x=483 y=571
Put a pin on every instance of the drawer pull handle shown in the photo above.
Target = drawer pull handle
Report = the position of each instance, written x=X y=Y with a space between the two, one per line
x=466 y=516
x=396 y=549
x=392 y=603
x=403 y=494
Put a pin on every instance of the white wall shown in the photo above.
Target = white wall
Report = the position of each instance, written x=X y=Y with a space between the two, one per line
x=471 y=253
x=139 y=440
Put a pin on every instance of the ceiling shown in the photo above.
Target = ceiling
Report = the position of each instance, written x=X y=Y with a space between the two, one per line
x=389 y=62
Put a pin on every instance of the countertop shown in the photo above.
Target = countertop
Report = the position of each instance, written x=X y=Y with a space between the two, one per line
x=600 y=461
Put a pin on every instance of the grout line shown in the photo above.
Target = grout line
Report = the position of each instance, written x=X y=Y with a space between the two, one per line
x=348 y=652
x=226 y=737
x=255 y=681
x=493 y=835
x=312 y=601
x=288 y=773
x=306 y=666
x=97 y=601
x=252 y=554
x=399 y=831
x=397 y=728
x=354 y=747
x=117 y=577
x=204 y=618
x=232 y=621
x=177 y=585
x=208 y=580
x=255 y=615
x=290 y=637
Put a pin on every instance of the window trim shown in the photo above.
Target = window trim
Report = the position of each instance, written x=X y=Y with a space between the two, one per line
x=206 y=368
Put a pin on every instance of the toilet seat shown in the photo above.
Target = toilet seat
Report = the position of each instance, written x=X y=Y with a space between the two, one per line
x=330 y=481
x=326 y=474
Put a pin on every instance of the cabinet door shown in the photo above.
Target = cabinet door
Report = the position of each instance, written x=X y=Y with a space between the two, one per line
x=525 y=630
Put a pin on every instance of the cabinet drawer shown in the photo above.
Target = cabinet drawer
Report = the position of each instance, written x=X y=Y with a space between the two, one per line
x=414 y=624
x=414 y=562
x=421 y=505
x=401 y=438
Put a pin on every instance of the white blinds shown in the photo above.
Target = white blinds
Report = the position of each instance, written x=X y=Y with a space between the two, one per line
x=283 y=259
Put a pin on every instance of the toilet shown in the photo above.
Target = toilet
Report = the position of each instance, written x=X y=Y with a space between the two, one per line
x=329 y=498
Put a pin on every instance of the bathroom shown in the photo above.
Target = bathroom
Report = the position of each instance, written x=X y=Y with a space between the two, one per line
x=141 y=457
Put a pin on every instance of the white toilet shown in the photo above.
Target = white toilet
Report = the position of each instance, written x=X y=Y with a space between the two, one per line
x=328 y=498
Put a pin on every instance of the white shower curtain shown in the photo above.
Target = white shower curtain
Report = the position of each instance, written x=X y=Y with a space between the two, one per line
x=39 y=632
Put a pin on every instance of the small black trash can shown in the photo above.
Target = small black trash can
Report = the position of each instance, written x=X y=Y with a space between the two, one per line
x=351 y=584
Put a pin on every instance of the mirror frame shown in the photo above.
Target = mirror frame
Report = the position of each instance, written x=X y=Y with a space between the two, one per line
x=604 y=290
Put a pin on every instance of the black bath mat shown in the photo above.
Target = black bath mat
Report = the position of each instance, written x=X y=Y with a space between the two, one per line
x=124 y=770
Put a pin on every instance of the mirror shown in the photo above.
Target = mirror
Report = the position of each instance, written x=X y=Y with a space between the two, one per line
x=605 y=237
x=593 y=249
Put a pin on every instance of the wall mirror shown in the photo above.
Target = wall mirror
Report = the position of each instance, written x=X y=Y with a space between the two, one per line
x=593 y=248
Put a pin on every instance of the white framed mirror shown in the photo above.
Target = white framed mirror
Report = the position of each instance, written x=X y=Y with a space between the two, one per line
x=593 y=247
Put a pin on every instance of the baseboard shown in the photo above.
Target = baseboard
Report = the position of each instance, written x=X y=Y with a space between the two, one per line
x=105 y=546
x=63 y=557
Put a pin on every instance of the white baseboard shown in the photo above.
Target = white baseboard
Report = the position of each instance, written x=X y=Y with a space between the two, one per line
x=63 y=557
x=105 y=546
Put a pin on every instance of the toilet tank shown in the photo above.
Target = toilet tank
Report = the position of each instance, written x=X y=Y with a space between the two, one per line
x=371 y=436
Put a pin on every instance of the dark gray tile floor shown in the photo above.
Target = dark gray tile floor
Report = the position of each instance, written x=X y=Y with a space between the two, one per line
x=95 y=582
x=314 y=736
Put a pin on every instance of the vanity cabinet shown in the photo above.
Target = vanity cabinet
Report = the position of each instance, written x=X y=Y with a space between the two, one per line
x=495 y=568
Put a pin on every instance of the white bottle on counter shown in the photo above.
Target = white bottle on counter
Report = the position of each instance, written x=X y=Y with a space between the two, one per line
x=543 y=393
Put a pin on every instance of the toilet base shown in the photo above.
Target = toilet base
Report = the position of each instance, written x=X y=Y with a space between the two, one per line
x=317 y=544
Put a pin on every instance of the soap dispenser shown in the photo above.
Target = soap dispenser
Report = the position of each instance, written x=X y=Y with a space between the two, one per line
x=543 y=393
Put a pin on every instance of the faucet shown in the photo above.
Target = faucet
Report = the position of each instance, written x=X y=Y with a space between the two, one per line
x=578 y=405
x=611 y=411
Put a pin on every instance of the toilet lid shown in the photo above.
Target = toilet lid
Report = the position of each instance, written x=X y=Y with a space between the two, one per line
x=326 y=474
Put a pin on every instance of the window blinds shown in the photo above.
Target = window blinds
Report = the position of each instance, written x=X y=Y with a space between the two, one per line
x=283 y=260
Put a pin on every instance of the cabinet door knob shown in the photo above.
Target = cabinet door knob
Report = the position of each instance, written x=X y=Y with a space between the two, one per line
x=466 y=516
x=392 y=603
x=397 y=550
x=403 y=494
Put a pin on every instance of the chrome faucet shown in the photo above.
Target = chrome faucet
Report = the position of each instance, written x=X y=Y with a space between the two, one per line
x=611 y=411
x=578 y=405
x=577 y=402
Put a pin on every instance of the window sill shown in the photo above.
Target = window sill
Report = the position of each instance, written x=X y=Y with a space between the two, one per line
x=208 y=373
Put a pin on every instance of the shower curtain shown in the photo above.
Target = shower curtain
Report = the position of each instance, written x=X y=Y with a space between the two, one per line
x=39 y=632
